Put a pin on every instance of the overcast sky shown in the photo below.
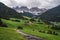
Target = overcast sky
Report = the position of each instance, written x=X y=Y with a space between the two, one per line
x=32 y=3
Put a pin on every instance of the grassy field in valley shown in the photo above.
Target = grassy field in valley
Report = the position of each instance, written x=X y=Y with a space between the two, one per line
x=33 y=29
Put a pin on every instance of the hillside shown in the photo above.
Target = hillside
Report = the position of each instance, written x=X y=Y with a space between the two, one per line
x=28 y=14
x=52 y=14
x=6 y=12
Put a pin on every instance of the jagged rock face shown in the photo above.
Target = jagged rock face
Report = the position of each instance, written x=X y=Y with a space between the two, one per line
x=34 y=10
x=37 y=9
x=52 y=14
x=23 y=8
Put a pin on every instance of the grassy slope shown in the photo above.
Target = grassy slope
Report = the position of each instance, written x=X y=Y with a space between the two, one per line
x=9 y=34
x=12 y=24
x=36 y=27
x=42 y=35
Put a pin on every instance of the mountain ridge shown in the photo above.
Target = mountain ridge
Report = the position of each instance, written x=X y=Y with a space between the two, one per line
x=6 y=12
x=52 y=14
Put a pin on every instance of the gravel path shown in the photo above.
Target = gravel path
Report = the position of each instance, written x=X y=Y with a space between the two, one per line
x=29 y=37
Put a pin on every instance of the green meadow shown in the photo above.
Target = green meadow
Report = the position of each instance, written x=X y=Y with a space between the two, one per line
x=10 y=33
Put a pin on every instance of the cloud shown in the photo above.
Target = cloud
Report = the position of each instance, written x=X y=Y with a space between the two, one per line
x=32 y=3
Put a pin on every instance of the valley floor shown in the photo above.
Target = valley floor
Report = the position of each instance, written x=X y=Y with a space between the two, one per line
x=25 y=27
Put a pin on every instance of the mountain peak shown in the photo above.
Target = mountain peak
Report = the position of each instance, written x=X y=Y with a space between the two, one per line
x=24 y=8
x=34 y=10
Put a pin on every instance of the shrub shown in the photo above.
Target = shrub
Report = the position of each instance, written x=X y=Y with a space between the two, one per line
x=4 y=25
x=49 y=32
x=39 y=23
x=7 y=18
x=33 y=29
x=25 y=18
x=47 y=22
x=16 y=20
x=43 y=31
x=0 y=22
x=40 y=31
x=56 y=27
x=32 y=20
x=54 y=33
x=20 y=27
